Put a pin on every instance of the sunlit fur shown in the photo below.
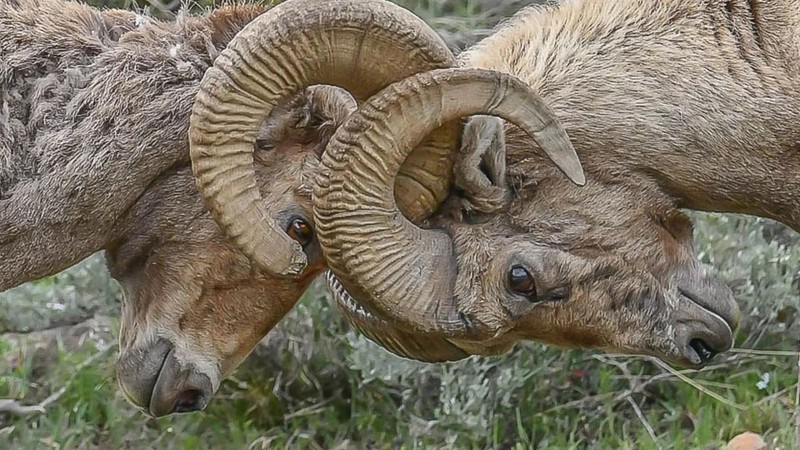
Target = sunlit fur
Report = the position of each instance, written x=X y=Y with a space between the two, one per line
x=697 y=100
x=670 y=104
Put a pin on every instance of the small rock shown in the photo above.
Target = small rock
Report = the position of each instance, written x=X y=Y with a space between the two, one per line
x=747 y=441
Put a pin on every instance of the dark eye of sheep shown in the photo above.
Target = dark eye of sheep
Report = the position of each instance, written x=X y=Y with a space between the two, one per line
x=300 y=231
x=521 y=282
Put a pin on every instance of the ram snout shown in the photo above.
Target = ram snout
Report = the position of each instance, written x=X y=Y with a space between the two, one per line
x=157 y=382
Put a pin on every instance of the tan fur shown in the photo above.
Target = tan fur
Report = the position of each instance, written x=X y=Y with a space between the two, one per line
x=102 y=163
x=699 y=98
x=670 y=104
x=94 y=155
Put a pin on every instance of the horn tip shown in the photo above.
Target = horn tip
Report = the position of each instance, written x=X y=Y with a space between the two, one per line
x=292 y=266
x=578 y=177
x=572 y=167
x=298 y=262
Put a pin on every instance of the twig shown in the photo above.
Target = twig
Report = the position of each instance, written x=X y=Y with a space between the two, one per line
x=12 y=406
x=52 y=325
x=644 y=421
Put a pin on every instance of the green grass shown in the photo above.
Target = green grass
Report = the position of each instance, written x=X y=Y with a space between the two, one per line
x=313 y=384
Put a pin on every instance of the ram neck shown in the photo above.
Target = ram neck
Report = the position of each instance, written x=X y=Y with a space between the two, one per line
x=760 y=182
x=668 y=93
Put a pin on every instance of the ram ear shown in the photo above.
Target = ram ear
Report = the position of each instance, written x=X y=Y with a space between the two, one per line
x=320 y=112
x=309 y=118
x=480 y=168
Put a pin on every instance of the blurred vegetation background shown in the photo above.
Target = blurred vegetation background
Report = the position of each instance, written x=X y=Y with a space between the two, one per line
x=314 y=384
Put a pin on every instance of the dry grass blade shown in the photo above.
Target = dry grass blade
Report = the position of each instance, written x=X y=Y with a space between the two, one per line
x=308 y=411
x=750 y=351
x=697 y=386
x=772 y=397
x=581 y=402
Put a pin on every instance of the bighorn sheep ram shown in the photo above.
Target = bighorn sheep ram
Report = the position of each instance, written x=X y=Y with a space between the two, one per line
x=670 y=104
x=607 y=265
x=94 y=155
x=94 y=112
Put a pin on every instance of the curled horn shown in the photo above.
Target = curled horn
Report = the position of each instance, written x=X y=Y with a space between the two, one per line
x=359 y=45
x=396 y=270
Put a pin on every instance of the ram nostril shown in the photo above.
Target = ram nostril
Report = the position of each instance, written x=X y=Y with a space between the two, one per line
x=180 y=389
x=138 y=370
x=190 y=400
x=703 y=350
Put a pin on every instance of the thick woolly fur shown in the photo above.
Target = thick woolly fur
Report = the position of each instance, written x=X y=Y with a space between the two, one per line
x=94 y=108
x=94 y=112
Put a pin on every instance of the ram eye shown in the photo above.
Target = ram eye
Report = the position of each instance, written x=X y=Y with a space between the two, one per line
x=300 y=231
x=521 y=282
